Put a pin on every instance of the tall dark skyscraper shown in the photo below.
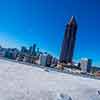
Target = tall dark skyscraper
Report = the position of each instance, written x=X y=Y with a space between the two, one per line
x=68 y=41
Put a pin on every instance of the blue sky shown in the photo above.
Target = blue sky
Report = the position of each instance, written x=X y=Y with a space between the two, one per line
x=24 y=22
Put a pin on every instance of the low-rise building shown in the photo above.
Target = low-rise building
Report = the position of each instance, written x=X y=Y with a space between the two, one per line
x=28 y=59
x=97 y=74
x=20 y=57
x=2 y=52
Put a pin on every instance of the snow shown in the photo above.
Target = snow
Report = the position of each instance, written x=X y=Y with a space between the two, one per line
x=25 y=82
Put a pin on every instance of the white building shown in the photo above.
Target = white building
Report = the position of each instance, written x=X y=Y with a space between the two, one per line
x=45 y=59
x=85 y=65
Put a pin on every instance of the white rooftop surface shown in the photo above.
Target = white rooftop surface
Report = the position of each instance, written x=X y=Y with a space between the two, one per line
x=23 y=82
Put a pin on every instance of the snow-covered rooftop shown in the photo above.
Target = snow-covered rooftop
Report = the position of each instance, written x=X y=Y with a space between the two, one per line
x=23 y=82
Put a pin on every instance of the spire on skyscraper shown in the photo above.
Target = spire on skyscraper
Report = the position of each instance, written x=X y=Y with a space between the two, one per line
x=72 y=21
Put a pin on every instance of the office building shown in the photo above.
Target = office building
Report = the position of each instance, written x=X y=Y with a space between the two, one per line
x=54 y=61
x=85 y=65
x=45 y=59
x=34 y=49
x=49 y=60
x=68 y=44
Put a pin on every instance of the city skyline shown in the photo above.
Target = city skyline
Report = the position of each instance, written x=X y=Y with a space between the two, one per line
x=24 y=22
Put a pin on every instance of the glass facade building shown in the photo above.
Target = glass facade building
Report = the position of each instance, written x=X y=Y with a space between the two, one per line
x=68 y=44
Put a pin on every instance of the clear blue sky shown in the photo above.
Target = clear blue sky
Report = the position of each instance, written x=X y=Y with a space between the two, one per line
x=24 y=22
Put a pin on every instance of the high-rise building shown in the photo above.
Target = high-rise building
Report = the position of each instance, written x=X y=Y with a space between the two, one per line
x=68 y=41
x=23 y=49
x=54 y=61
x=38 y=53
x=49 y=60
x=34 y=49
x=30 y=50
x=85 y=65
x=45 y=59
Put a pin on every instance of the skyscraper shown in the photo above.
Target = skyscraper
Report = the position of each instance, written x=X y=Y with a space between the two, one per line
x=68 y=41
x=32 y=50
